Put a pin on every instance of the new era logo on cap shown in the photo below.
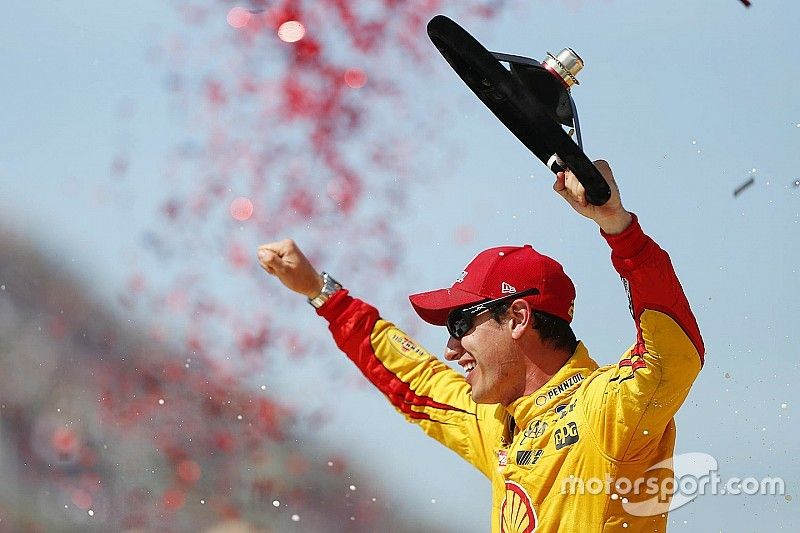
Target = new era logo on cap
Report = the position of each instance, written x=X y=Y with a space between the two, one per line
x=505 y=288
x=498 y=272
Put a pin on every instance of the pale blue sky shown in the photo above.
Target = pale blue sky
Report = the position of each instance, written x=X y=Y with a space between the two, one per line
x=684 y=99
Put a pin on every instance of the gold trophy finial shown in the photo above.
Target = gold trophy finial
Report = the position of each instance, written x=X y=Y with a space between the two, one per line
x=564 y=66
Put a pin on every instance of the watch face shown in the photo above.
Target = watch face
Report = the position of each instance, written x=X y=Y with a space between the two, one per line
x=329 y=287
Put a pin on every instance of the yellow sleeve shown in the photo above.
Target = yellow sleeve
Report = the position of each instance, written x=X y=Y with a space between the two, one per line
x=634 y=403
x=425 y=390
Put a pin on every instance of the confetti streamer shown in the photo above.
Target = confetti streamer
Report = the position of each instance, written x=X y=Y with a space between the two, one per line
x=744 y=186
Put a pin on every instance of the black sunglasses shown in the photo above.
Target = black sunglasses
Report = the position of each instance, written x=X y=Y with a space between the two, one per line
x=460 y=321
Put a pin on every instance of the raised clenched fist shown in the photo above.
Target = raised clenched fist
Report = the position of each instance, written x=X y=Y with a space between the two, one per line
x=284 y=260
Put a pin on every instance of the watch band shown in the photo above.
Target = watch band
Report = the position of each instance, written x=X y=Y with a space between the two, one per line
x=329 y=287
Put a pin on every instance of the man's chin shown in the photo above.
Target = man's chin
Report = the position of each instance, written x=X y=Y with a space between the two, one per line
x=481 y=398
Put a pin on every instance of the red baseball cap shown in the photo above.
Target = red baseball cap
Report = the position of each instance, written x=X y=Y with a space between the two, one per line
x=499 y=272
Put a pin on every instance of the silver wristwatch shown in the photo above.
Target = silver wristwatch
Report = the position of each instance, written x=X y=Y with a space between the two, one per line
x=329 y=288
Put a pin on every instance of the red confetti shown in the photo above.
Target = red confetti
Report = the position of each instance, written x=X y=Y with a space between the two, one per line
x=216 y=93
x=241 y=209
x=65 y=442
x=238 y=17
x=253 y=342
x=271 y=116
x=355 y=78
x=173 y=499
x=189 y=471
x=239 y=256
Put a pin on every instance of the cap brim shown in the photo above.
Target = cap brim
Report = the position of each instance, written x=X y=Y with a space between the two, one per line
x=434 y=306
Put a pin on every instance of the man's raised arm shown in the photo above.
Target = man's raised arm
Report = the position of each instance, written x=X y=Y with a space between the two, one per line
x=654 y=376
x=422 y=388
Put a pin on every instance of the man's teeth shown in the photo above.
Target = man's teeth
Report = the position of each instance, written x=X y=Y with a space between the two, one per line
x=469 y=367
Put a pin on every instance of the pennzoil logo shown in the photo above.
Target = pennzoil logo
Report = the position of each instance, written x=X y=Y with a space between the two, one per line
x=406 y=346
x=558 y=389
x=517 y=514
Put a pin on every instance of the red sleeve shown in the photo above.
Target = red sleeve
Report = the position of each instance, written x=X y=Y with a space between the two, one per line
x=651 y=282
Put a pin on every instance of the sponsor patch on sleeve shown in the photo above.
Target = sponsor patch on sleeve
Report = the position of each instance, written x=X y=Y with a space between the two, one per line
x=406 y=346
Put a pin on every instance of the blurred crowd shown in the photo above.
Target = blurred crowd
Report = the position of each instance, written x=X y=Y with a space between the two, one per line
x=102 y=429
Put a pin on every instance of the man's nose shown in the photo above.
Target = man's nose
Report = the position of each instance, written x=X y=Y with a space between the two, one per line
x=453 y=350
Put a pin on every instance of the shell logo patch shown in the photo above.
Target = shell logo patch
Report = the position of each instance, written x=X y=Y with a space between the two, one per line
x=517 y=514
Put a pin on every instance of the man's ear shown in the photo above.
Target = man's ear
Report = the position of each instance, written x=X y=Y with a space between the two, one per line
x=520 y=318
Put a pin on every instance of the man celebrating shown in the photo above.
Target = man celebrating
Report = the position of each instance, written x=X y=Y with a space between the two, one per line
x=568 y=446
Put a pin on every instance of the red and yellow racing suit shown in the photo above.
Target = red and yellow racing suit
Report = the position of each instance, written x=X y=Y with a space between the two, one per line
x=591 y=450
